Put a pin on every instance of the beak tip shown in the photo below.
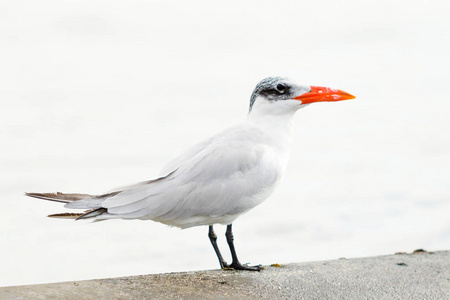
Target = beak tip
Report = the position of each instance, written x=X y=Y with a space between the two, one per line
x=346 y=95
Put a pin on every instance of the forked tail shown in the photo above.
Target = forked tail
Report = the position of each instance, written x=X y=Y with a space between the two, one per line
x=69 y=198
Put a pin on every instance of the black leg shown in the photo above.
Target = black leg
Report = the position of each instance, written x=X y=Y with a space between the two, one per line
x=213 y=238
x=236 y=264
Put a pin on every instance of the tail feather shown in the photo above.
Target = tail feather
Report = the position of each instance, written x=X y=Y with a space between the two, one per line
x=78 y=216
x=59 y=197
x=72 y=198
x=66 y=215
x=92 y=213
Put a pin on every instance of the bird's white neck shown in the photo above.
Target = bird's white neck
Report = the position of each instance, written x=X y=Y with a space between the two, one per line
x=275 y=120
x=273 y=116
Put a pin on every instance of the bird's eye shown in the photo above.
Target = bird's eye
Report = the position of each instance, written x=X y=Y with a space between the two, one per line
x=281 y=88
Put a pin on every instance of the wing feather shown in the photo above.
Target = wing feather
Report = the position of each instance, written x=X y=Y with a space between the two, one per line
x=221 y=176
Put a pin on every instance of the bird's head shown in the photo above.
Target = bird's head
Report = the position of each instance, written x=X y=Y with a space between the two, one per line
x=278 y=94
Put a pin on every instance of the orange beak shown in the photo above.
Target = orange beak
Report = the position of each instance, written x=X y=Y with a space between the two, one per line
x=322 y=94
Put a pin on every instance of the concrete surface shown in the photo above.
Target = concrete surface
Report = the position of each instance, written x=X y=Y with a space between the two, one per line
x=420 y=275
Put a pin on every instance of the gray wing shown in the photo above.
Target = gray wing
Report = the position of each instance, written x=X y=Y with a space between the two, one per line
x=221 y=176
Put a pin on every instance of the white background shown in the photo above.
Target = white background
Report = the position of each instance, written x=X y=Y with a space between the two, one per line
x=95 y=95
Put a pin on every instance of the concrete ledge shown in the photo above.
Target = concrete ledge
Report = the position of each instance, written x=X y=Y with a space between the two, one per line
x=421 y=275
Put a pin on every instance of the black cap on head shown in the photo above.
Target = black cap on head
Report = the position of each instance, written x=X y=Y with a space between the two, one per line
x=273 y=88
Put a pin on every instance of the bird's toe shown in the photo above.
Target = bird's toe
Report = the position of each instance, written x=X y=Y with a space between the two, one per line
x=244 y=267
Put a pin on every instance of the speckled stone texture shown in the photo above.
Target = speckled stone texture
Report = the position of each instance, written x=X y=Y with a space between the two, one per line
x=420 y=275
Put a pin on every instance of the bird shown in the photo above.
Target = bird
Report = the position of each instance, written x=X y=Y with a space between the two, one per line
x=219 y=179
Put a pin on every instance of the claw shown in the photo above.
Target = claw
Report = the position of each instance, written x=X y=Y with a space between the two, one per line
x=245 y=267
